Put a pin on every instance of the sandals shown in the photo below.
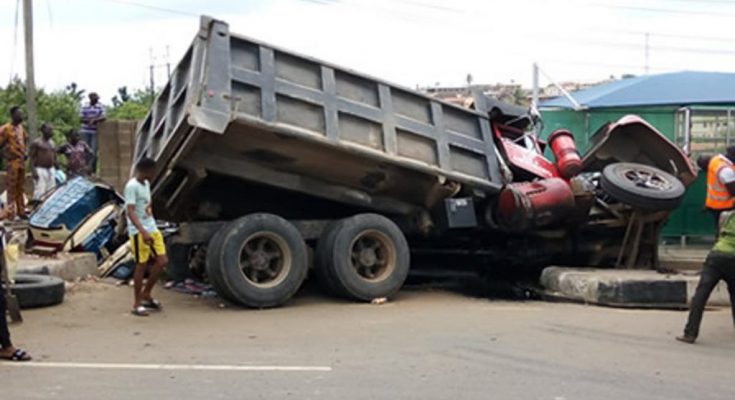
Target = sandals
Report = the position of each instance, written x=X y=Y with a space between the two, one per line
x=140 y=311
x=18 y=355
x=152 y=304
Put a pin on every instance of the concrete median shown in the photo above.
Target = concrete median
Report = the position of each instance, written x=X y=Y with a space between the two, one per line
x=626 y=288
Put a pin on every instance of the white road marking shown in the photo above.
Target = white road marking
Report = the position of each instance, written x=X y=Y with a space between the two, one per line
x=173 y=367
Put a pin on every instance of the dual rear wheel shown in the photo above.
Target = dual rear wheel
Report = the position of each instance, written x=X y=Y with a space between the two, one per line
x=260 y=260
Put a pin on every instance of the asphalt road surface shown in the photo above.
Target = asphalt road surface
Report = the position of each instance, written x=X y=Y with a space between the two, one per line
x=425 y=344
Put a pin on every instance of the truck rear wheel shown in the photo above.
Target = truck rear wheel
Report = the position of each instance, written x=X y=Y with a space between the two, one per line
x=642 y=186
x=324 y=273
x=258 y=261
x=364 y=257
x=214 y=252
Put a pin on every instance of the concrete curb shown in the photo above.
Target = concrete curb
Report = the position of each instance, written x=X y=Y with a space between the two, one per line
x=626 y=288
x=67 y=266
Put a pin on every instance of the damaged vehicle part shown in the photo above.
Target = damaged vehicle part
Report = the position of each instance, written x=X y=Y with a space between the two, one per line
x=80 y=215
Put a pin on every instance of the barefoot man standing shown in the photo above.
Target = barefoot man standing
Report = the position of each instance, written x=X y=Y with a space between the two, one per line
x=146 y=241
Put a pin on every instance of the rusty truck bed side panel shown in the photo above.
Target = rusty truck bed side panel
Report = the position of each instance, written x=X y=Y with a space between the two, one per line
x=232 y=85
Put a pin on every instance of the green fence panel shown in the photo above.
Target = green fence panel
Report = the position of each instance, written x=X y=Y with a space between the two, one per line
x=689 y=219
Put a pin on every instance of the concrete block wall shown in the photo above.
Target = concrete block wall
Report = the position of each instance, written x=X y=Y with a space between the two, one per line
x=116 y=146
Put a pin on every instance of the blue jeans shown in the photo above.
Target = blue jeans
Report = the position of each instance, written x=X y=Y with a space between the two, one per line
x=91 y=139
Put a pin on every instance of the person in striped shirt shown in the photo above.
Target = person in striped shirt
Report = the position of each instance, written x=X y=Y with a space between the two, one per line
x=91 y=115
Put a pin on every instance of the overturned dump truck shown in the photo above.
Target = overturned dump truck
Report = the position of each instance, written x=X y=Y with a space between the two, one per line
x=274 y=163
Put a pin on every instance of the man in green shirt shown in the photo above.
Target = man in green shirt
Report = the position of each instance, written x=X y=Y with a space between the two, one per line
x=719 y=265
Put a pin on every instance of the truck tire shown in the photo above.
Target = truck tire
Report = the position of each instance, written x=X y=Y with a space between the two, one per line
x=261 y=261
x=365 y=257
x=214 y=250
x=33 y=291
x=642 y=186
x=322 y=261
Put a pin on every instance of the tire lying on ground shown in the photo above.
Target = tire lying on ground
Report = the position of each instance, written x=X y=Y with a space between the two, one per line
x=642 y=186
x=33 y=291
x=364 y=257
x=258 y=261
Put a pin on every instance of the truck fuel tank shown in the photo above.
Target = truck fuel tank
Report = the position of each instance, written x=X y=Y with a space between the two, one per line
x=568 y=161
x=527 y=205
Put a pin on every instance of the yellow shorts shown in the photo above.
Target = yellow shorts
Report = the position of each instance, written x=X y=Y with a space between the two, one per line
x=143 y=251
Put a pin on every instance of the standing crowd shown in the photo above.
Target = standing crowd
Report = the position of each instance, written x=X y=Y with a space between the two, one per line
x=79 y=150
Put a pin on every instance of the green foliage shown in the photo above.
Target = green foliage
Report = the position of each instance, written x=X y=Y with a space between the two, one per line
x=128 y=106
x=60 y=107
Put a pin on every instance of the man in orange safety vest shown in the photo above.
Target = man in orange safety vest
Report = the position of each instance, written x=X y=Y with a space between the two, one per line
x=721 y=184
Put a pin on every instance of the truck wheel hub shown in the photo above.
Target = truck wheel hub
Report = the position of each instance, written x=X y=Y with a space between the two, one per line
x=373 y=255
x=259 y=260
x=368 y=257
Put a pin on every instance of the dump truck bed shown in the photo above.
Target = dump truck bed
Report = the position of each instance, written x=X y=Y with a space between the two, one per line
x=238 y=108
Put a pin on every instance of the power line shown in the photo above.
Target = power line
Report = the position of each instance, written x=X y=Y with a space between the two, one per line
x=152 y=7
x=719 y=14
x=50 y=15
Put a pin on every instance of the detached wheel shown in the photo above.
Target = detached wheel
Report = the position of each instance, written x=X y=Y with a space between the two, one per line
x=35 y=291
x=642 y=186
x=364 y=257
x=258 y=261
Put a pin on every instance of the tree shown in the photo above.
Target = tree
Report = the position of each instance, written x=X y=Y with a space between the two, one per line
x=60 y=107
x=130 y=106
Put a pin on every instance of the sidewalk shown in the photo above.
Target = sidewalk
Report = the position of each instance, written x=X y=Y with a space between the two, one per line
x=679 y=258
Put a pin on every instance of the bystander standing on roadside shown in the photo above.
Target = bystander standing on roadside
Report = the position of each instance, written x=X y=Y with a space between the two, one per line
x=79 y=156
x=91 y=115
x=719 y=266
x=7 y=350
x=146 y=240
x=42 y=153
x=13 y=139
x=720 y=184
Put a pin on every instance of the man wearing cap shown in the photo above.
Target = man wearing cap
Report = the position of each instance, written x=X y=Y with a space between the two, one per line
x=91 y=115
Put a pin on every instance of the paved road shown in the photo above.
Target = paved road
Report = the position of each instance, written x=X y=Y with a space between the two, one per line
x=427 y=344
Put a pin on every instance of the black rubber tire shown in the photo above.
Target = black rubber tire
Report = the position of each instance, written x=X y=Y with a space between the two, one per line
x=322 y=261
x=214 y=250
x=33 y=291
x=178 y=262
x=225 y=264
x=335 y=250
x=666 y=197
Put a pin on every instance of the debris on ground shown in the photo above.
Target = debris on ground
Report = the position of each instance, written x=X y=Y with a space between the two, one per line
x=193 y=287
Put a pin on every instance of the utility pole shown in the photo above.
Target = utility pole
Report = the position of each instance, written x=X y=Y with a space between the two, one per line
x=535 y=88
x=647 y=52
x=152 y=72
x=168 y=63
x=30 y=76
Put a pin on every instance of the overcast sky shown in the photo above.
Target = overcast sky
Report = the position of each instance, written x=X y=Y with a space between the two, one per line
x=105 y=44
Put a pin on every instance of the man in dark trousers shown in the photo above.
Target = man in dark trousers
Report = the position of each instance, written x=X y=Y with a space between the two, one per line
x=7 y=350
x=719 y=266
